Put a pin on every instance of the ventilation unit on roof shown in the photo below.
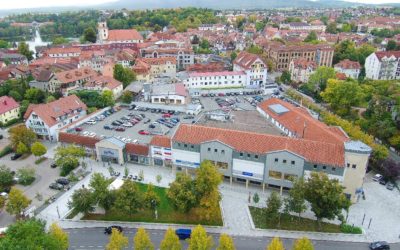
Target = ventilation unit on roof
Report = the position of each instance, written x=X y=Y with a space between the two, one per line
x=278 y=109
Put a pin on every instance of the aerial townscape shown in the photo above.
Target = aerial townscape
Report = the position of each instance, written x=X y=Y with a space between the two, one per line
x=200 y=125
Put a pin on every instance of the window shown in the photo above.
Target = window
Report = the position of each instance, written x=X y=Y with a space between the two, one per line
x=293 y=162
x=222 y=151
x=354 y=166
x=256 y=156
x=284 y=161
x=191 y=146
x=275 y=174
x=290 y=177
x=333 y=169
x=215 y=150
x=185 y=145
x=276 y=159
x=348 y=165
x=179 y=144
x=208 y=149
x=323 y=167
x=241 y=154
x=221 y=165
x=248 y=155
x=315 y=166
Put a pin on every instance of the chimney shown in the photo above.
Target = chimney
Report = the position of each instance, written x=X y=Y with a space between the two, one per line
x=5 y=102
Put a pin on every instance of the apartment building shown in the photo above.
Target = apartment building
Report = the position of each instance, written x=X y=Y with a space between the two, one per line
x=150 y=68
x=383 y=65
x=254 y=67
x=313 y=26
x=282 y=55
x=62 y=52
x=215 y=80
x=46 y=120
x=184 y=55
x=350 y=68
x=300 y=70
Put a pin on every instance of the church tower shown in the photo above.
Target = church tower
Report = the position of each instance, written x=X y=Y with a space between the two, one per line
x=102 y=30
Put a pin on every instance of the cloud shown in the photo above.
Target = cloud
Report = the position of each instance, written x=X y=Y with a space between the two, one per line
x=24 y=4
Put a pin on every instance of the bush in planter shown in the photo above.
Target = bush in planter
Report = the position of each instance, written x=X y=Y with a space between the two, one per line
x=349 y=229
x=68 y=166
x=26 y=176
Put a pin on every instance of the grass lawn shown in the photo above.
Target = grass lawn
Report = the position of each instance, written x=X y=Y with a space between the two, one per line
x=289 y=222
x=166 y=213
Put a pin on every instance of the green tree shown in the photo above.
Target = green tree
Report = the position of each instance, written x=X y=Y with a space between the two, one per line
x=226 y=243
x=207 y=179
x=199 y=240
x=4 y=44
x=2 y=203
x=68 y=158
x=276 y=244
x=23 y=49
x=102 y=195
x=129 y=198
x=50 y=98
x=29 y=234
x=127 y=97
x=331 y=28
x=124 y=75
x=35 y=95
x=319 y=78
x=181 y=193
x=170 y=241
x=286 y=77
x=59 y=40
x=117 y=240
x=107 y=98
x=142 y=240
x=26 y=175
x=59 y=235
x=391 y=45
x=256 y=198
x=22 y=148
x=151 y=199
x=6 y=177
x=82 y=201
x=274 y=203
x=303 y=244
x=295 y=202
x=21 y=134
x=16 y=95
x=254 y=49
x=233 y=56
x=38 y=149
x=311 y=37
x=325 y=197
x=346 y=27
x=89 y=35
x=17 y=202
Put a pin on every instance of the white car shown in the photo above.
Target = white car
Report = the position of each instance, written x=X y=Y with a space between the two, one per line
x=91 y=122
x=127 y=124
x=85 y=133
x=377 y=177
x=92 y=134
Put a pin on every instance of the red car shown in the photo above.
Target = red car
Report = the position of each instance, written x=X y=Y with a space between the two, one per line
x=221 y=94
x=120 y=129
x=78 y=129
x=144 y=132
x=166 y=115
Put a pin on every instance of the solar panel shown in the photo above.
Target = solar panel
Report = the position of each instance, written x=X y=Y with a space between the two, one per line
x=278 y=108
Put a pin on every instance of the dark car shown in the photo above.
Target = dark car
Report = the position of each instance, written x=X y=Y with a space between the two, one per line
x=120 y=129
x=383 y=181
x=390 y=186
x=107 y=127
x=152 y=126
x=183 y=233
x=63 y=181
x=15 y=156
x=53 y=165
x=108 y=230
x=56 y=186
x=379 y=245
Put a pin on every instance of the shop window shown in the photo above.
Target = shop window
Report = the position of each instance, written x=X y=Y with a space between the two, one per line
x=354 y=166
x=191 y=146
x=241 y=154
x=256 y=156
x=248 y=155
x=323 y=167
x=290 y=177
x=185 y=145
x=333 y=169
x=158 y=162
x=275 y=174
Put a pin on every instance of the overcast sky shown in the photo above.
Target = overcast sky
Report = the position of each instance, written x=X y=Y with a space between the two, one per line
x=17 y=4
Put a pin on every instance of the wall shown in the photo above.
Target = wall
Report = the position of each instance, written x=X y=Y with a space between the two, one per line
x=223 y=154
x=354 y=177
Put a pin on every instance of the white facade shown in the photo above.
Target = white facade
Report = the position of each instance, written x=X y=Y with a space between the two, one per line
x=170 y=99
x=215 y=80
x=388 y=68
x=186 y=158
x=256 y=75
x=248 y=169
x=351 y=73
x=64 y=54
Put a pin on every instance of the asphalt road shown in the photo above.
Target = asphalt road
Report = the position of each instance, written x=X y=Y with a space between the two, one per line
x=94 y=238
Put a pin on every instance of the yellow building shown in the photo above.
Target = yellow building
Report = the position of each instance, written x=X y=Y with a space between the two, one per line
x=9 y=109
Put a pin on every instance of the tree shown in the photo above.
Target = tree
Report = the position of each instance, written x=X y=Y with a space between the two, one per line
x=128 y=198
x=107 y=98
x=342 y=95
x=303 y=244
x=2 y=203
x=207 y=179
x=102 y=195
x=254 y=49
x=331 y=28
x=209 y=206
x=117 y=240
x=319 y=78
x=391 y=45
x=89 y=35
x=35 y=95
x=4 y=44
x=68 y=158
x=29 y=234
x=256 y=198
x=38 y=149
x=325 y=197
x=286 y=77
x=170 y=241
x=311 y=37
x=199 y=240
x=226 y=243
x=124 y=75
x=233 y=56
x=59 y=235
x=59 y=40
x=82 y=201
x=296 y=202
x=17 y=202
x=23 y=49
x=127 y=97
x=276 y=244
x=273 y=205
x=181 y=193
x=21 y=134
x=151 y=199
x=26 y=175
x=391 y=169
x=50 y=98
x=142 y=241
x=6 y=177
x=22 y=148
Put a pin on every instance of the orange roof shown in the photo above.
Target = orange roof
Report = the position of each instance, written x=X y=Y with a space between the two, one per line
x=75 y=74
x=137 y=149
x=303 y=63
x=103 y=81
x=159 y=60
x=78 y=139
x=347 y=64
x=300 y=122
x=124 y=35
x=51 y=111
x=7 y=104
x=245 y=59
x=313 y=151
x=161 y=141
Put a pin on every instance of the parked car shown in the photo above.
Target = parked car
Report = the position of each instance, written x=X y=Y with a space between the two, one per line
x=53 y=165
x=56 y=186
x=78 y=129
x=143 y=132
x=147 y=121
x=379 y=245
x=107 y=127
x=390 y=186
x=377 y=177
x=120 y=129
x=63 y=181
x=383 y=181
x=152 y=126
x=188 y=117
x=15 y=156
x=183 y=233
x=127 y=124
x=108 y=230
x=91 y=122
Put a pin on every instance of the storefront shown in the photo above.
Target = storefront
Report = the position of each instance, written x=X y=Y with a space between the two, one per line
x=111 y=150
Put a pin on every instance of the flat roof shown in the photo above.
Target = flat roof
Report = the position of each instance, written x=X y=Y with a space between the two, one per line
x=278 y=108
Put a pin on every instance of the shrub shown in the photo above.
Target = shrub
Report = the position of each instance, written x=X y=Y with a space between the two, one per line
x=26 y=176
x=349 y=229
x=6 y=150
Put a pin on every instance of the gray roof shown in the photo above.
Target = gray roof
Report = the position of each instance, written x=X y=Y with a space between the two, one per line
x=278 y=109
x=357 y=147
x=135 y=87
x=115 y=141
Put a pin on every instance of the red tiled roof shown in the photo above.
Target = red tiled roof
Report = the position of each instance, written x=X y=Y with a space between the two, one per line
x=312 y=151
x=63 y=50
x=245 y=59
x=124 y=35
x=382 y=54
x=78 y=139
x=304 y=63
x=297 y=118
x=347 y=64
x=75 y=75
x=159 y=60
x=50 y=111
x=341 y=76
x=137 y=149
x=103 y=81
x=7 y=104
x=222 y=73
x=161 y=141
